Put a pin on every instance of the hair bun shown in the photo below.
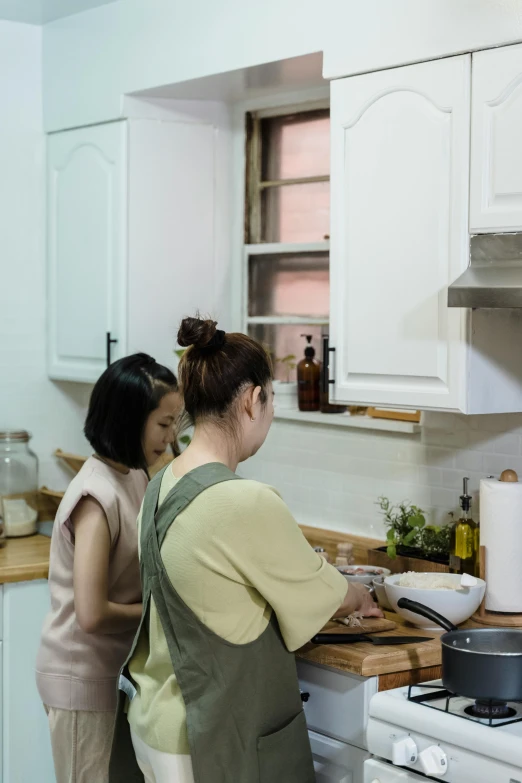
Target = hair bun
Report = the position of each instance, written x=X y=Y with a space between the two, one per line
x=196 y=332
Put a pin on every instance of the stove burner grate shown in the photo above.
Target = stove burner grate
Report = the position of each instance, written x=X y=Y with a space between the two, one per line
x=496 y=713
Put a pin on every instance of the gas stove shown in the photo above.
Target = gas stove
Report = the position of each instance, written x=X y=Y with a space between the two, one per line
x=434 y=733
x=487 y=712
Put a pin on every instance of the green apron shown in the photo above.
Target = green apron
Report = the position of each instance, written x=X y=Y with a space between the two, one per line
x=245 y=721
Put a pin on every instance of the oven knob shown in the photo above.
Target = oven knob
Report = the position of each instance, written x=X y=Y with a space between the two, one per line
x=434 y=761
x=404 y=752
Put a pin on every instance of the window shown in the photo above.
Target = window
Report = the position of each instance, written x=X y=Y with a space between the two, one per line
x=287 y=230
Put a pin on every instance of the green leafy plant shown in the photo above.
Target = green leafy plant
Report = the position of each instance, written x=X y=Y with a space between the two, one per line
x=407 y=528
x=404 y=522
x=436 y=540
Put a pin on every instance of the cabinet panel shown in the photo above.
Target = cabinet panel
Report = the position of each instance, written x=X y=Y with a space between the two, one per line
x=173 y=216
x=335 y=762
x=86 y=249
x=26 y=743
x=400 y=149
x=496 y=130
x=338 y=703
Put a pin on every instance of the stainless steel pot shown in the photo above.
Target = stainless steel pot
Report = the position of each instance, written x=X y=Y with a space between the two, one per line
x=479 y=663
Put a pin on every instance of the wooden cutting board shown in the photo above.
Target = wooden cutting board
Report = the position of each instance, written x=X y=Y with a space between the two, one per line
x=368 y=625
x=367 y=660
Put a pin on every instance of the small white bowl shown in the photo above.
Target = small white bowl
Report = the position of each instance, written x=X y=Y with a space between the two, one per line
x=380 y=593
x=366 y=578
x=456 y=605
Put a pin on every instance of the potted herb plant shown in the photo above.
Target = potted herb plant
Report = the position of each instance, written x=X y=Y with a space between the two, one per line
x=286 y=390
x=411 y=544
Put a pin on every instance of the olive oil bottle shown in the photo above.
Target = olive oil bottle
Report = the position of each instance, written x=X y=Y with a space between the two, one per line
x=464 y=552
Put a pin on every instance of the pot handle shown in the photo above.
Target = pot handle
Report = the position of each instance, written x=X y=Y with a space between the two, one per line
x=425 y=611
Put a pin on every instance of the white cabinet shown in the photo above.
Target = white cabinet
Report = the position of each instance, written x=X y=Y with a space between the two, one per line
x=173 y=222
x=399 y=179
x=135 y=224
x=86 y=248
x=335 y=762
x=338 y=703
x=496 y=131
x=26 y=751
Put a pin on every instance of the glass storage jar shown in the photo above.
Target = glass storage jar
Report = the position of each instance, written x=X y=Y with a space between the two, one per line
x=18 y=485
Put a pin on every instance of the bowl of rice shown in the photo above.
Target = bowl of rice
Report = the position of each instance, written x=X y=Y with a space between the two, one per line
x=441 y=592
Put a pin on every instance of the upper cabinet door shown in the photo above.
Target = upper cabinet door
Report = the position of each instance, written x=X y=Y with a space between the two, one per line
x=496 y=133
x=400 y=152
x=86 y=249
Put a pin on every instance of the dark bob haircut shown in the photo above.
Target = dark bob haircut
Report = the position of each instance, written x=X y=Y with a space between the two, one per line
x=121 y=401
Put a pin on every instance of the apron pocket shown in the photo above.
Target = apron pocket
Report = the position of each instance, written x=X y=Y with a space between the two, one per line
x=285 y=755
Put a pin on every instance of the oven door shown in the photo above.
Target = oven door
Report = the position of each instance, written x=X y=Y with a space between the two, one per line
x=382 y=772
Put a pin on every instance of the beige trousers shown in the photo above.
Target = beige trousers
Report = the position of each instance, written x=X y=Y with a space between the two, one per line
x=81 y=744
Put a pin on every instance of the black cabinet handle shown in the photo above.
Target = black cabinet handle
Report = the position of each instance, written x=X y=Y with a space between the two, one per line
x=304 y=696
x=325 y=378
x=110 y=341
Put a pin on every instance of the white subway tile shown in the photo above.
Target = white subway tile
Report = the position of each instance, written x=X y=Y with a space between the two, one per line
x=431 y=477
x=505 y=443
x=469 y=460
x=495 y=464
x=456 y=438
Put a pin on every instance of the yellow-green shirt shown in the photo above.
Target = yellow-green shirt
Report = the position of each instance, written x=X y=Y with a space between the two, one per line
x=234 y=555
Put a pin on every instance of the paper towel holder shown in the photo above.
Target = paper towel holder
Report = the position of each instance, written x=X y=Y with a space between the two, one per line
x=497 y=619
x=484 y=616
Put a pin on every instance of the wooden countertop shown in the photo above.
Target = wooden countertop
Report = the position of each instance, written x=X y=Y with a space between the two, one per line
x=25 y=559
x=367 y=660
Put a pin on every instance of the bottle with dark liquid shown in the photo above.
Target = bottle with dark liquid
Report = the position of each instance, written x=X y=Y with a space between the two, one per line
x=464 y=549
x=308 y=379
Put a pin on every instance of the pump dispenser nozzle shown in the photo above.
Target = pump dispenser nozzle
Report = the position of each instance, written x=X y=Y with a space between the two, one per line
x=465 y=498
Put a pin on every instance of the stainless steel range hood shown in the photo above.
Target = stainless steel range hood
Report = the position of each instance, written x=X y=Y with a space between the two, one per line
x=494 y=276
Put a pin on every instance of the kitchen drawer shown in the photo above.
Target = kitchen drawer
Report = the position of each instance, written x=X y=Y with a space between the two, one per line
x=381 y=772
x=338 y=703
x=336 y=762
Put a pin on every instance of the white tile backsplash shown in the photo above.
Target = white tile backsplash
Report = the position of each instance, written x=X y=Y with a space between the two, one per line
x=333 y=479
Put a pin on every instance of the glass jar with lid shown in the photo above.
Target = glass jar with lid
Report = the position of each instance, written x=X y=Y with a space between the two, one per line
x=18 y=485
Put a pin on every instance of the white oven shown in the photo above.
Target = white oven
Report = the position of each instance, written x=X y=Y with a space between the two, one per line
x=382 y=772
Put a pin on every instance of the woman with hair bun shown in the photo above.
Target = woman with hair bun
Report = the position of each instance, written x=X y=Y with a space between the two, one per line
x=231 y=588
x=94 y=577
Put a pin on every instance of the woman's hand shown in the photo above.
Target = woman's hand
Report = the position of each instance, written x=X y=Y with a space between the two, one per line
x=358 y=599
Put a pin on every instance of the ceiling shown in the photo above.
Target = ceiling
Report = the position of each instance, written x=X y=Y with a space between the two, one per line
x=43 y=11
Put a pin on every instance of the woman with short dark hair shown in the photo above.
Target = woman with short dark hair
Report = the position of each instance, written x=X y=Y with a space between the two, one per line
x=94 y=577
x=230 y=589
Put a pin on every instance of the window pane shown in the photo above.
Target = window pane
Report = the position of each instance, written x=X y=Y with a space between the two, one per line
x=296 y=146
x=283 y=340
x=285 y=285
x=296 y=213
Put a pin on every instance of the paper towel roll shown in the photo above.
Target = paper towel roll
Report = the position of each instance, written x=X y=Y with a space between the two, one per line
x=501 y=534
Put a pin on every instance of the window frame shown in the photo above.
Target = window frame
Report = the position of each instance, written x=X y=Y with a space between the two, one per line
x=249 y=248
x=255 y=184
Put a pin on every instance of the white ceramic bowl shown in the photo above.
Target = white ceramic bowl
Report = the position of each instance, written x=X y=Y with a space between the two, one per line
x=456 y=605
x=365 y=578
x=380 y=593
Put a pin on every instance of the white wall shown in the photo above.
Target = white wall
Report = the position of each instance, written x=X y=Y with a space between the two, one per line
x=91 y=59
x=331 y=477
x=52 y=412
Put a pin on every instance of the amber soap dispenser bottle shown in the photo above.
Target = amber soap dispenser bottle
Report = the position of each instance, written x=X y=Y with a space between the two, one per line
x=308 y=379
